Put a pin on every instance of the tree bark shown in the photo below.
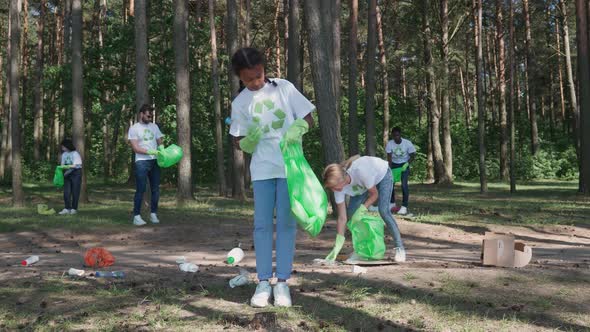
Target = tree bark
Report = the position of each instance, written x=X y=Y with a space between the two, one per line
x=6 y=147
x=504 y=169
x=293 y=63
x=511 y=119
x=584 y=85
x=383 y=61
x=447 y=144
x=560 y=72
x=353 y=126
x=38 y=120
x=141 y=54
x=370 y=140
x=530 y=69
x=18 y=195
x=277 y=48
x=477 y=6
x=25 y=68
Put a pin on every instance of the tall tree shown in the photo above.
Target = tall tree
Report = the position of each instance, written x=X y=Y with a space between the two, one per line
x=530 y=64
x=18 y=195
x=221 y=185
x=239 y=187
x=511 y=119
x=293 y=64
x=78 y=93
x=502 y=91
x=477 y=16
x=141 y=54
x=447 y=144
x=353 y=126
x=38 y=120
x=584 y=86
x=440 y=174
x=321 y=25
x=24 y=75
x=371 y=134
x=183 y=100
x=383 y=61
x=6 y=147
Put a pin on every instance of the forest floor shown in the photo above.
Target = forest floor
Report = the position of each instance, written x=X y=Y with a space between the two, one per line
x=442 y=286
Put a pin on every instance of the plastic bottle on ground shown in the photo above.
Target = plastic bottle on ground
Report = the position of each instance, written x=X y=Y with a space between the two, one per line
x=235 y=256
x=188 y=267
x=29 y=261
x=242 y=279
x=75 y=272
x=109 y=274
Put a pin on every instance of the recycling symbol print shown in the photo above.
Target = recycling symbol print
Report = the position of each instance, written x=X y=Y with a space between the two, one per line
x=268 y=105
x=68 y=160
x=398 y=151
x=357 y=189
x=148 y=135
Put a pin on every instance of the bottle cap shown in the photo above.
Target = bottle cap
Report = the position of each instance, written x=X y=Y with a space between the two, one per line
x=23 y=263
x=231 y=260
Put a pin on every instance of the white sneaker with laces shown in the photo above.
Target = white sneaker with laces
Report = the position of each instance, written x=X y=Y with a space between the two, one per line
x=400 y=255
x=373 y=208
x=403 y=210
x=282 y=295
x=72 y=211
x=261 y=295
x=154 y=218
x=64 y=211
x=137 y=221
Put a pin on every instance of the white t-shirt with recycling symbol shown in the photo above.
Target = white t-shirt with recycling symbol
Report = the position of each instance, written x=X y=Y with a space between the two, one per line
x=71 y=158
x=400 y=153
x=273 y=109
x=147 y=135
x=365 y=172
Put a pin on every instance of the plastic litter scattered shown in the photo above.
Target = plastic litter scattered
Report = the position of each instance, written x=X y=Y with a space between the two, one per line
x=325 y=262
x=181 y=260
x=75 y=272
x=235 y=255
x=109 y=274
x=188 y=267
x=240 y=280
x=98 y=257
x=358 y=269
x=43 y=209
x=30 y=261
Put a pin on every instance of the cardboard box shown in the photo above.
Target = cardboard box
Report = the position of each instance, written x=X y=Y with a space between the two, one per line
x=503 y=250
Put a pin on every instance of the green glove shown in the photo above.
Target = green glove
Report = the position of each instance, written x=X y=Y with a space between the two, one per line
x=359 y=213
x=160 y=147
x=337 y=247
x=153 y=152
x=296 y=131
x=248 y=143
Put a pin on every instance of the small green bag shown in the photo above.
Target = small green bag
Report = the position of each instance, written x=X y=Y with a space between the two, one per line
x=309 y=202
x=169 y=156
x=58 y=177
x=367 y=236
x=397 y=172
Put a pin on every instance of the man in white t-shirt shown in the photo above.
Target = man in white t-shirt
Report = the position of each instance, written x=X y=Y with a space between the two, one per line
x=146 y=141
x=400 y=151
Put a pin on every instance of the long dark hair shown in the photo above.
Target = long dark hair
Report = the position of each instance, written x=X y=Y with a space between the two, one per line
x=68 y=144
x=248 y=58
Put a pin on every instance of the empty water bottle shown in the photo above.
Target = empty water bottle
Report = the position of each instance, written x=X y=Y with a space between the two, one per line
x=29 y=261
x=235 y=256
x=188 y=267
x=75 y=272
x=109 y=274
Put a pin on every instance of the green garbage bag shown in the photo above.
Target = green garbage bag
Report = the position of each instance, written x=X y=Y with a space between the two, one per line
x=397 y=172
x=309 y=202
x=169 y=156
x=367 y=235
x=43 y=209
x=58 y=177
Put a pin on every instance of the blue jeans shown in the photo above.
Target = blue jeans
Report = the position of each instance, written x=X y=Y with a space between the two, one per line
x=72 y=184
x=384 y=189
x=144 y=170
x=405 y=186
x=269 y=194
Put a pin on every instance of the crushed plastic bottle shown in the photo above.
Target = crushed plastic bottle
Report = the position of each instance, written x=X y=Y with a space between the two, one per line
x=75 y=272
x=240 y=280
x=109 y=274
x=30 y=261
x=188 y=267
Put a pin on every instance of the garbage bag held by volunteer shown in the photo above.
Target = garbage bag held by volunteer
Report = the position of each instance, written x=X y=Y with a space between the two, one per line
x=169 y=156
x=367 y=234
x=58 y=177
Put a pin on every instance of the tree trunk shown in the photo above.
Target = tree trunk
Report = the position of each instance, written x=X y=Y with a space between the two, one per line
x=25 y=68
x=141 y=54
x=429 y=153
x=183 y=102
x=440 y=174
x=560 y=72
x=385 y=78
x=370 y=146
x=320 y=20
x=511 y=119
x=353 y=126
x=502 y=91
x=38 y=120
x=18 y=195
x=293 y=64
x=530 y=69
x=221 y=185
x=6 y=147
x=477 y=6
x=584 y=85
x=447 y=144
x=277 y=36
x=239 y=188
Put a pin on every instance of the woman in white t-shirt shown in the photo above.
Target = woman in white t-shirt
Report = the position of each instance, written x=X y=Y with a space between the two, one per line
x=72 y=167
x=366 y=180
x=264 y=113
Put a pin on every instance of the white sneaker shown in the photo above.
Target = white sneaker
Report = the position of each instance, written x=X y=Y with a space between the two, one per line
x=64 y=211
x=262 y=295
x=154 y=218
x=400 y=255
x=282 y=295
x=373 y=208
x=72 y=211
x=137 y=221
x=403 y=210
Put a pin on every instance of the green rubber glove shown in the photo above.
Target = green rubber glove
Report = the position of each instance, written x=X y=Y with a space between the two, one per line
x=153 y=152
x=160 y=147
x=248 y=143
x=337 y=247
x=359 y=213
x=296 y=131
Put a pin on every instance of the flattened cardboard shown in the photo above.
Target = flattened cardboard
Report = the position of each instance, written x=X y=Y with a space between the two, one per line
x=502 y=250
